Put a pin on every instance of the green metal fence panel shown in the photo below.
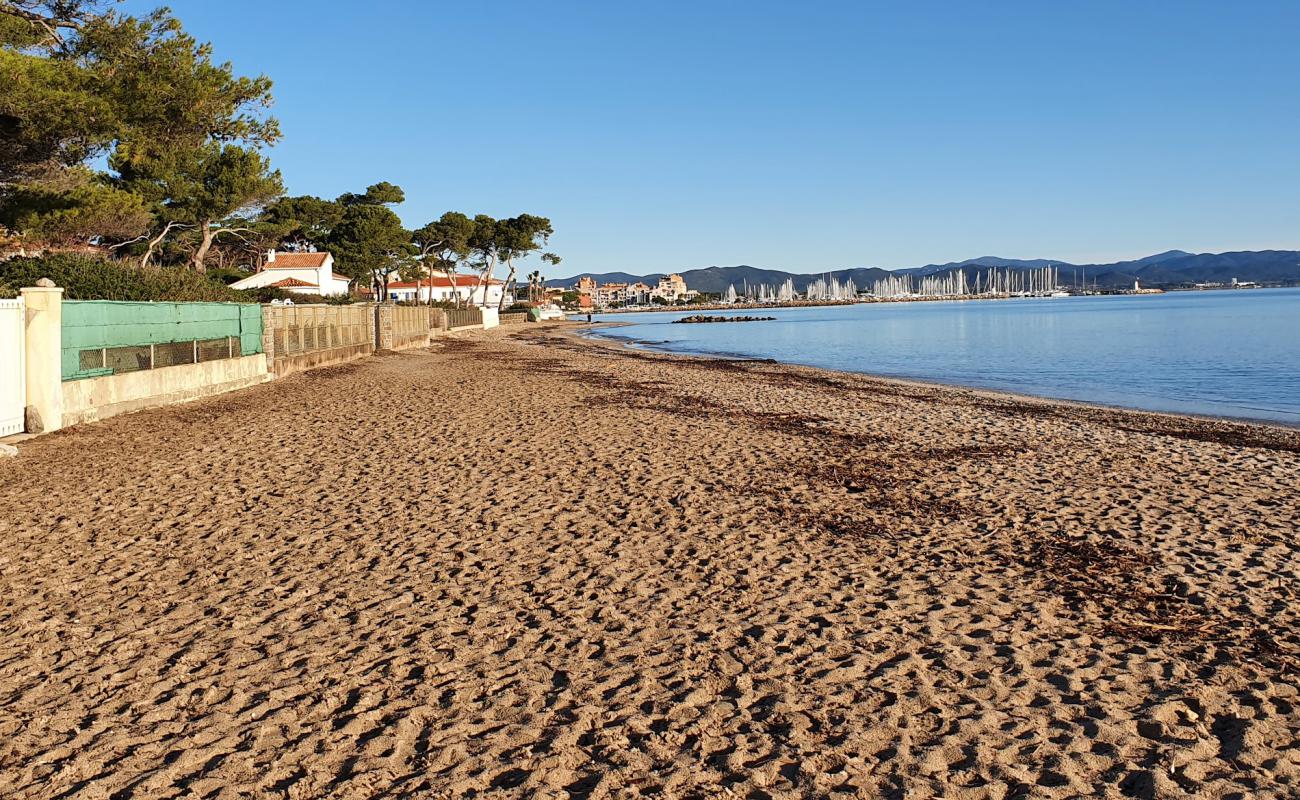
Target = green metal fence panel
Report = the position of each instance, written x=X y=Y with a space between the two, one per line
x=250 y=329
x=94 y=331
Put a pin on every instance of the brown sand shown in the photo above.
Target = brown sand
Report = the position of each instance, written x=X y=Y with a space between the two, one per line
x=518 y=564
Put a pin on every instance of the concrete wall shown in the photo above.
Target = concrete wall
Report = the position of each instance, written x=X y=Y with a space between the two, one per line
x=285 y=365
x=293 y=339
x=92 y=399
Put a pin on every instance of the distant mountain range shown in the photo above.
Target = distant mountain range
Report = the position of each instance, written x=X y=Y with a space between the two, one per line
x=1170 y=268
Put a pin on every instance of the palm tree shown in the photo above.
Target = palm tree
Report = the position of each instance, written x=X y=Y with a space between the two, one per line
x=532 y=285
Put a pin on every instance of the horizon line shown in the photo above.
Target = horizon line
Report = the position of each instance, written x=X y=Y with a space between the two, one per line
x=1052 y=262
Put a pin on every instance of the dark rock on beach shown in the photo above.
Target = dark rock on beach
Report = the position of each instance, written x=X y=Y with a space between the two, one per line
x=707 y=318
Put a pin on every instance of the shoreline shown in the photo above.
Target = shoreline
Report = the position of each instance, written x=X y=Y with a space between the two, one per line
x=537 y=564
x=588 y=332
x=1115 y=292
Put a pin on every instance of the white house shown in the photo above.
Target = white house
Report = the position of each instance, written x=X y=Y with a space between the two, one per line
x=298 y=273
x=440 y=288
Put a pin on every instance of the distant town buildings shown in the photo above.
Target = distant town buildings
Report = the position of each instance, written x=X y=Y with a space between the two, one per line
x=669 y=290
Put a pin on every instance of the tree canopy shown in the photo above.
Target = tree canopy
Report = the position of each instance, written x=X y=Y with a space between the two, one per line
x=369 y=241
x=82 y=80
x=84 y=86
x=81 y=77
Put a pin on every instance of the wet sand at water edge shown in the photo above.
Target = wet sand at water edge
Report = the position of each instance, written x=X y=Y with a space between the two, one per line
x=519 y=564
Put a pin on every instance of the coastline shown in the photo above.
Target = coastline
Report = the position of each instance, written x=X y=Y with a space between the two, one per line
x=1110 y=292
x=589 y=332
x=535 y=564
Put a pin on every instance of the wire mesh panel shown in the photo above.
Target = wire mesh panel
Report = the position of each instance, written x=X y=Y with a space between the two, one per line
x=410 y=324
x=215 y=349
x=173 y=354
x=128 y=359
x=311 y=328
x=91 y=361
x=459 y=317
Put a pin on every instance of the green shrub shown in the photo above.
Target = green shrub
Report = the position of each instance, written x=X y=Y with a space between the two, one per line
x=227 y=275
x=85 y=277
x=266 y=294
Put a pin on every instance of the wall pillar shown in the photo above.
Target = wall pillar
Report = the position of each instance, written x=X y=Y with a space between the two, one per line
x=268 y=334
x=43 y=305
x=384 y=326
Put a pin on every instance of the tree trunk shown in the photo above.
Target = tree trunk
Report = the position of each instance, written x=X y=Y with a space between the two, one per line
x=483 y=281
x=455 y=288
x=153 y=245
x=501 y=305
x=205 y=244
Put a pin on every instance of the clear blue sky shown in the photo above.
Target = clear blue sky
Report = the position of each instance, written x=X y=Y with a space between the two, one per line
x=801 y=136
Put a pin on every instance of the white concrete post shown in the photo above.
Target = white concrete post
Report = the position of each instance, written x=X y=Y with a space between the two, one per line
x=44 y=342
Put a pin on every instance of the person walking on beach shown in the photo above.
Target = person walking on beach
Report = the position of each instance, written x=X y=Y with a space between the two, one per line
x=588 y=317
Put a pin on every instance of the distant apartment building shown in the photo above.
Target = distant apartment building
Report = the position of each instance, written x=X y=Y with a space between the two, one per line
x=671 y=288
x=609 y=294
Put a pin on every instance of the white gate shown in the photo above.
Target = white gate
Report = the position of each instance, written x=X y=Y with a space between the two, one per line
x=13 y=377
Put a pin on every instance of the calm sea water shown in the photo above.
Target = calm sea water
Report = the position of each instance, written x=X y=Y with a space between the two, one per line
x=1217 y=353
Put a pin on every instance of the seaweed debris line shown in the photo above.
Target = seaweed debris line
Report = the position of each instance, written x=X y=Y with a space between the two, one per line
x=696 y=318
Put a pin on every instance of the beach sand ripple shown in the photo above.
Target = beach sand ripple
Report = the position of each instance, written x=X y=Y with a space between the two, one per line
x=524 y=564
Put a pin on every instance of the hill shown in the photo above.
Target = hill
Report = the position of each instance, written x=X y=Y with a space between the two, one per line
x=1170 y=268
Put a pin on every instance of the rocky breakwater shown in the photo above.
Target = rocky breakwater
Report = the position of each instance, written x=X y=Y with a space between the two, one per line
x=698 y=318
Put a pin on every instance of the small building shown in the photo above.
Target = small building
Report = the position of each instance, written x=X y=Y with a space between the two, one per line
x=298 y=273
x=440 y=288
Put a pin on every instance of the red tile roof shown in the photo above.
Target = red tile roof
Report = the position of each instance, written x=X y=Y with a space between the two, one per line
x=285 y=283
x=297 y=260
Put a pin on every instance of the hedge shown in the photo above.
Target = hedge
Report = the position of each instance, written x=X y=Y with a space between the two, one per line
x=85 y=277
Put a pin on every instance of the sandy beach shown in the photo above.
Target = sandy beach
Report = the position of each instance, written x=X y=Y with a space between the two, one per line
x=523 y=564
